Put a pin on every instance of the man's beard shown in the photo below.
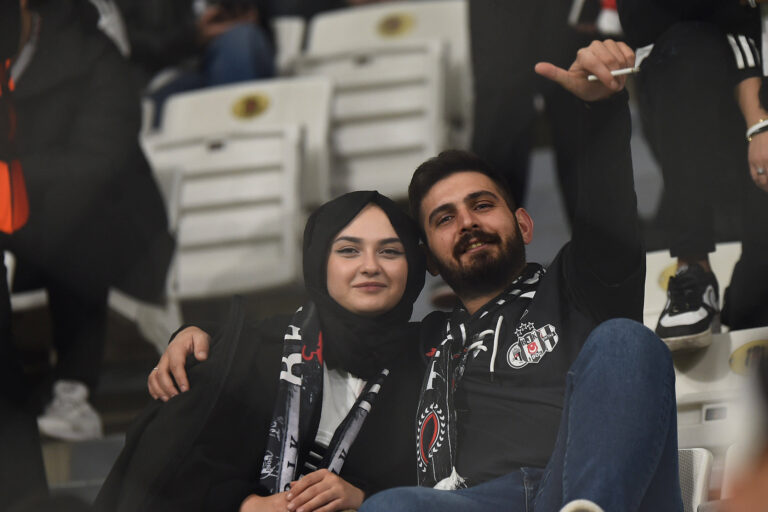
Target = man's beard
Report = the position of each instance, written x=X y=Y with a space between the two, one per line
x=485 y=272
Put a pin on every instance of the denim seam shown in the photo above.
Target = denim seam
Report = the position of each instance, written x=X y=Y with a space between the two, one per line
x=571 y=377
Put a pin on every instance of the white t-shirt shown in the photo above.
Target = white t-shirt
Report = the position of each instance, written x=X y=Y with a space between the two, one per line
x=340 y=391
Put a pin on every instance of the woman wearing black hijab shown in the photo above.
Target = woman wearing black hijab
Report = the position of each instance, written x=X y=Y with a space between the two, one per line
x=329 y=392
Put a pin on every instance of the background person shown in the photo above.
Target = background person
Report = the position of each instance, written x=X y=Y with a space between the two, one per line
x=696 y=132
x=96 y=216
x=208 y=43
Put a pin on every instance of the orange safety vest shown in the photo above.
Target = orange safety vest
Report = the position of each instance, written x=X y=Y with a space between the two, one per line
x=14 y=205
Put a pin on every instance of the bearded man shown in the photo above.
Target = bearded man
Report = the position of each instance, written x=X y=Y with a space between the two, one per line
x=543 y=392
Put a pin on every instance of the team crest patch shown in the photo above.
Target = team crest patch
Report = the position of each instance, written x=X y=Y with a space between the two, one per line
x=532 y=344
x=431 y=434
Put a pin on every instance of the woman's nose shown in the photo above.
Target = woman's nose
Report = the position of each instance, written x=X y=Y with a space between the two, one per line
x=370 y=263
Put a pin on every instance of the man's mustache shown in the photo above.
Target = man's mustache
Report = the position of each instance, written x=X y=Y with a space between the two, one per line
x=472 y=237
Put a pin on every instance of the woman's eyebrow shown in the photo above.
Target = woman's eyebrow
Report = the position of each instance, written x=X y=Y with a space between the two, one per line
x=385 y=241
x=352 y=239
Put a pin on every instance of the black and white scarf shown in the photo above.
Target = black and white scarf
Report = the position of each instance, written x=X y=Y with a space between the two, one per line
x=297 y=408
x=361 y=345
x=436 y=416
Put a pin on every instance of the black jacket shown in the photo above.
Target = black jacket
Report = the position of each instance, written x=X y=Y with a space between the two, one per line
x=203 y=449
x=96 y=214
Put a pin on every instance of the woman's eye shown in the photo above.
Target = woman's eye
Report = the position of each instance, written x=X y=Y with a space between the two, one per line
x=346 y=251
x=392 y=253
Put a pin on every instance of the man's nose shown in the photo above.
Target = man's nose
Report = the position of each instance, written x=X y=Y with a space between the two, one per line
x=467 y=220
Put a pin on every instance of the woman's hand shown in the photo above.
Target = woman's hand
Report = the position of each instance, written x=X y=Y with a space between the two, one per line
x=274 y=503
x=191 y=340
x=758 y=160
x=323 y=491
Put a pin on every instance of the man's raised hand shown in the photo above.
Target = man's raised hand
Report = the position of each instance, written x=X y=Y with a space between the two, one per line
x=599 y=59
x=191 y=340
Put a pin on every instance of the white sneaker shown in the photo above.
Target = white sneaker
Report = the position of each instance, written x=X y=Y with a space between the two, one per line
x=581 y=506
x=69 y=416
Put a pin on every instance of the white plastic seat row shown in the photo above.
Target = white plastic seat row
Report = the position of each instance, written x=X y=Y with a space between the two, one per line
x=225 y=113
x=387 y=113
x=395 y=23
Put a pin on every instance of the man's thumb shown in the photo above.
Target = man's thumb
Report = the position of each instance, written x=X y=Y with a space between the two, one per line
x=552 y=72
x=200 y=346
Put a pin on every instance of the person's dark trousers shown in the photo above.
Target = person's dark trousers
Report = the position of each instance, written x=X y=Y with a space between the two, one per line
x=695 y=130
x=617 y=443
x=746 y=298
x=22 y=474
x=79 y=323
x=242 y=53
x=508 y=37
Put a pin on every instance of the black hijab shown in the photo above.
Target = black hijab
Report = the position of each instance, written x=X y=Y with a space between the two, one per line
x=358 y=344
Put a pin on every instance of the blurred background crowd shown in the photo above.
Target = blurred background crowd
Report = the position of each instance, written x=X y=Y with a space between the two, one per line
x=172 y=149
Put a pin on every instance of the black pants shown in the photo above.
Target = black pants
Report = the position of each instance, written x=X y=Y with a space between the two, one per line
x=508 y=37
x=696 y=132
x=79 y=323
x=79 y=332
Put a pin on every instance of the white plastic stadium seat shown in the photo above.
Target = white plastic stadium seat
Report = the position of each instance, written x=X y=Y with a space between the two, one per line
x=233 y=204
x=735 y=460
x=229 y=111
x=387 y=114
x=235 y=211
x=710 y=387
x=695 y=466
x=289 y=36
x=387 y=23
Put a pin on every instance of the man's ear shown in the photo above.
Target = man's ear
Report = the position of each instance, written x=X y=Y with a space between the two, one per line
x=431 y=267
x=526 y=224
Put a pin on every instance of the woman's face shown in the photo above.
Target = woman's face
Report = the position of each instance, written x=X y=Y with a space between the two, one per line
x=367 y=268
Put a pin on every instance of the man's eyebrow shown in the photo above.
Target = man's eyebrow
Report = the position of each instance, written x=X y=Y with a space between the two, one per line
x=449 y=206
x=479 y=194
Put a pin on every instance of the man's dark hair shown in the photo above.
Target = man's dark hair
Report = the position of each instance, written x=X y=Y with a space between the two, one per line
x=445 y=164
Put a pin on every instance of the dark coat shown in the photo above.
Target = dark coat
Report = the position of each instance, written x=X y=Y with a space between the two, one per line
x=96 y=215
x=203 y=449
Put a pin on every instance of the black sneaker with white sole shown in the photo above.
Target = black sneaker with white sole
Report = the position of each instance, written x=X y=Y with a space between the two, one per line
x=692 y=310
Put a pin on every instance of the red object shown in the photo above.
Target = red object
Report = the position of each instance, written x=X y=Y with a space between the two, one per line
x=318 y=352
x=14 y=205
x=608 y=4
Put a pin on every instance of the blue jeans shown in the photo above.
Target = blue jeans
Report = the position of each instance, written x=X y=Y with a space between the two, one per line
x=617 y=443
x=240 y=54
